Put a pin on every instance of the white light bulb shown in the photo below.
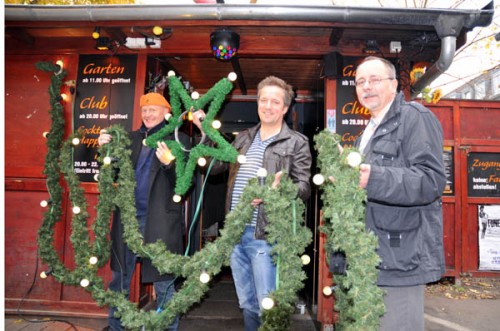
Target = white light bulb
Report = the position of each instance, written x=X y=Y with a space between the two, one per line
x=305 y=259
x=96 y=177
x=195 y=95
x=232 y=76
x=144 y=142
x=84 y=282
x=242 y=159
x=76 y=210
x=43 y=275
x=177 y=198
x=204 y=277
x=60 y=63
x=106 y=160
x=44 y=203
x=354 y=159
x=267 y=303
x=75 y=141
x=318 y=179
x=202 y=162
x=45 y=134
x=216 y=124
x=328 y=290
x=168 y=116
x=93 y=260
x=171 y=73
x=262 y=172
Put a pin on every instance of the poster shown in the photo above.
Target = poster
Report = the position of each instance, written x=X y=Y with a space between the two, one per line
x=105 y=90
x=489 y=236
x=448 y=170
x=483 y=174
x=352 y=117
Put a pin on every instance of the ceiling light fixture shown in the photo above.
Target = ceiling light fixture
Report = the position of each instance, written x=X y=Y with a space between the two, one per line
x=224 y=43
x=103 y=44
x=96 y=33
x=371 y=47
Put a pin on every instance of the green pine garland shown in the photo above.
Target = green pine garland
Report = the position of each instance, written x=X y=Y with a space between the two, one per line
x=358 y=299
x=286 y=232
x=223 y=152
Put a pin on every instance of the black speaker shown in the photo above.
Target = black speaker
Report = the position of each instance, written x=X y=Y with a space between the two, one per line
x=332 y=65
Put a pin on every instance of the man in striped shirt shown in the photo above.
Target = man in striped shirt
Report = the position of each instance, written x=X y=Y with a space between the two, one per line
x=271 y=145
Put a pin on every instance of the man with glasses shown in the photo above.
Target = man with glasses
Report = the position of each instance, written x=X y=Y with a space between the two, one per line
x=403 y=174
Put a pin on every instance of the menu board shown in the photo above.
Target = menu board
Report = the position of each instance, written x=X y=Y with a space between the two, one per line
x=105 y=91
x=483 y=174
x=351 y=117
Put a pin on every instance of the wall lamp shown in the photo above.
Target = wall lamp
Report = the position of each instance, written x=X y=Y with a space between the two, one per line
x=103 y=44
x=224 y=44
x=96 y=33
x=371 y=47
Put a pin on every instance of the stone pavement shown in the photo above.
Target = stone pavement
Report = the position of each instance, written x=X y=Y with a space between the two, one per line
x=219 y=311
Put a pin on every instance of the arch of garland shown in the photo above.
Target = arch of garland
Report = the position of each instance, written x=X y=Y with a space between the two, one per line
x=286 y=231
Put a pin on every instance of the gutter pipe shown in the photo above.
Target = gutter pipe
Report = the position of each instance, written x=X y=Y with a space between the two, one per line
x=448 y=23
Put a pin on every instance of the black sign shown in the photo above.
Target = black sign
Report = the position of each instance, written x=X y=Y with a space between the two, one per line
x=104 y=96
x=483 y=174
x=448 y=170
x=352 y=117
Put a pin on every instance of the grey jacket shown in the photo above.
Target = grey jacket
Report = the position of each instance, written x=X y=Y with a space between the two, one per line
x=290 y=152
x=404 y=194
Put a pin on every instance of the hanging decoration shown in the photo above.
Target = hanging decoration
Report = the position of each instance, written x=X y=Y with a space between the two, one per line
x=286 y=231
x=358 y=298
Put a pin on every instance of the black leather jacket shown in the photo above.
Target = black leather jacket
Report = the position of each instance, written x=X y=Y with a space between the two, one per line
x=290 y=152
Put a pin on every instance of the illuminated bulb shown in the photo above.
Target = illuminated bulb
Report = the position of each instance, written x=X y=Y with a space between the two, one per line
x=45 y=134
x=202 y=162
x=171 y=73
x=204 y=277
x=177 y=198
x=262 y=172
x=84 y=282
x=60 y=63
x=45 y=274
x=144 y=143
x=75 y=141
x=328 y=290
x=195 y=95
x=354 y=159
x=318 y=179
x=168 y=116
x=106 y=160
x=64 y=96
x=96 y=177
x=232 y=76
x=76 y=210
x=93 y=260
x=305 y=259
x=267 y=303
x=157 y=30
x=216 y=124
x=242 y=159
x=190 y=116
x=44 y=203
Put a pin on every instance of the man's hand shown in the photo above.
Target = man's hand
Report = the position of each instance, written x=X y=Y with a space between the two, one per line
x=103 y=138
x=164 y=154
x=364 y=174
x=198 y=116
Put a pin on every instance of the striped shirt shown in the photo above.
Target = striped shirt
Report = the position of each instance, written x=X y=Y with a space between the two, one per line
x=248 y=170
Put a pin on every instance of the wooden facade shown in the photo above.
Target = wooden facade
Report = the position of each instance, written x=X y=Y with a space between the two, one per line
x=469 y=126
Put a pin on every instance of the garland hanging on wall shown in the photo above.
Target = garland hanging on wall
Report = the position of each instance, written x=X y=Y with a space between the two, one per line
x=358 y=298
x=286 y=232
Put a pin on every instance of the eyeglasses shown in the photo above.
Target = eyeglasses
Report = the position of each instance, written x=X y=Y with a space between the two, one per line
x=371 y=81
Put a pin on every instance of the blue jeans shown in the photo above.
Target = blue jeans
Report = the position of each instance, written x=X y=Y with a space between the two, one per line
x=121 y=280
x=254 y=275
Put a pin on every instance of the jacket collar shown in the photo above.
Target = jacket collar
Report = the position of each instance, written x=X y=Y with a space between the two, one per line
x=146 y=132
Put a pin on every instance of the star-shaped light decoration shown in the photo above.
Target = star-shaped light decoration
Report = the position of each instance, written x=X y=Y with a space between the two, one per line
x=223 y=150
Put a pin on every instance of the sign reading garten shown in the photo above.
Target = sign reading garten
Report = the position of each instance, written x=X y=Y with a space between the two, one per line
x=105 y=96
x=484 y=174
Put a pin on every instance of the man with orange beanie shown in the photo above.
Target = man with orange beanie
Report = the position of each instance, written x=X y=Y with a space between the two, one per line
x=159 y=217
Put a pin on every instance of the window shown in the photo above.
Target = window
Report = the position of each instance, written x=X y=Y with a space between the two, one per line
x=495 y=82
x=467 y=94
x=480 y=90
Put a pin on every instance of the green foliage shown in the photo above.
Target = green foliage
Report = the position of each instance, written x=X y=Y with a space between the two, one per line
x=286 y=232
x=358 y=299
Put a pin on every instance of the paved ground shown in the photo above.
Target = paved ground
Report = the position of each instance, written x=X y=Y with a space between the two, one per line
x=473 y=305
